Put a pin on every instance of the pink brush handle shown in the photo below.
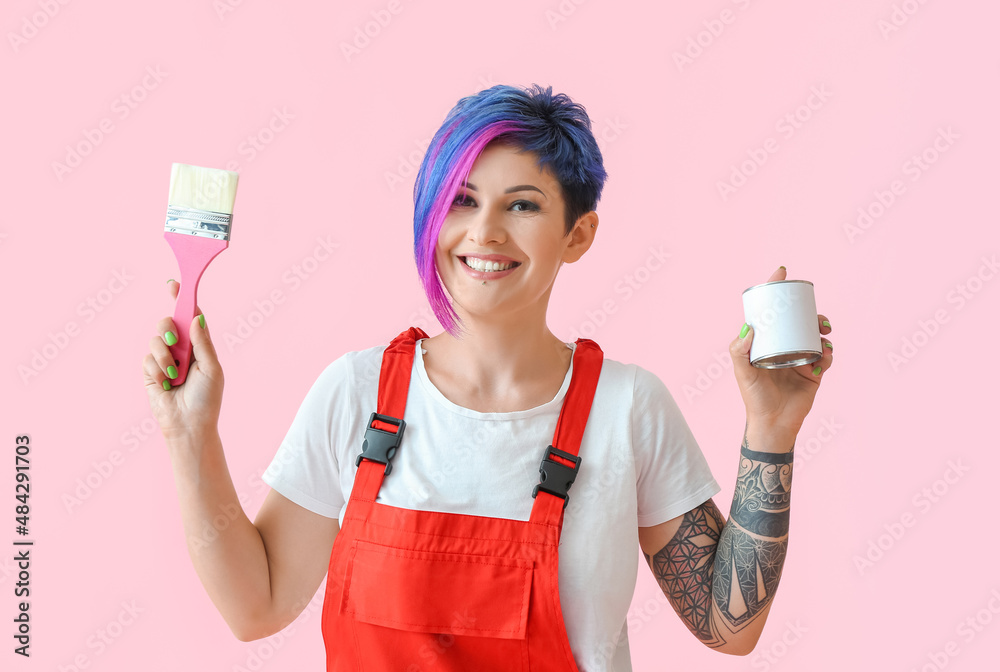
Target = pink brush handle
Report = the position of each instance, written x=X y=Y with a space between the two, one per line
x=193 y=256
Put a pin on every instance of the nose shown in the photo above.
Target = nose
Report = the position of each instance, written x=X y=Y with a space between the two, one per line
x=486 y=226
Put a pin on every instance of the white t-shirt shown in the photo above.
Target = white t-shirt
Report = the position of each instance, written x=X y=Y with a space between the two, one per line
x=640 y=466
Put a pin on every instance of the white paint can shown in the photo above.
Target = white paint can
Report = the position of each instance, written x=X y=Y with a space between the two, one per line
x=785 y=324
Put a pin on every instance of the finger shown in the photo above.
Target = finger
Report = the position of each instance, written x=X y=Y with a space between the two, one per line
x=825 y=362
x=168 y=332
x=824 y=328
x=202 y=347
x=739 y=350
x=162 y=356
x=779 y=274
x=152 y=374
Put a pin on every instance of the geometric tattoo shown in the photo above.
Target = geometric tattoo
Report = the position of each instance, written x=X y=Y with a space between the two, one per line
x=683 y=568
x=752 y=548
x=736 y=565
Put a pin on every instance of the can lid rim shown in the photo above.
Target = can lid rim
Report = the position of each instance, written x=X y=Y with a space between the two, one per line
x=776 y=282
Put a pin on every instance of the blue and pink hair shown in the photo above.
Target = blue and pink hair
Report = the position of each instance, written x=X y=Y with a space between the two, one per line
x=553 y=127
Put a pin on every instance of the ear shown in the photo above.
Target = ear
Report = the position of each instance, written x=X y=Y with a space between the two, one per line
x=581 y=237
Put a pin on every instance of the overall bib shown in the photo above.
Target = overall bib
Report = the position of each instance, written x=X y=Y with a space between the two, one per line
x=416 y=591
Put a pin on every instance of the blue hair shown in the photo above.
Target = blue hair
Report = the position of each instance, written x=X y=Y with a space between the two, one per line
x=553 y=127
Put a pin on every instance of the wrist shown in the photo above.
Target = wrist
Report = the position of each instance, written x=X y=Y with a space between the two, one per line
x=190 y=439
x=768 y=438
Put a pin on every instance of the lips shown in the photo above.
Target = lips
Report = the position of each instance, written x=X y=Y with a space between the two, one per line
x=503 y=261
x=487 y=275
x=489 y=257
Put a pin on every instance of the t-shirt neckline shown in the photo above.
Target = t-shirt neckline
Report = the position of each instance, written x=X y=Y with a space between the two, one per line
x=442 y=400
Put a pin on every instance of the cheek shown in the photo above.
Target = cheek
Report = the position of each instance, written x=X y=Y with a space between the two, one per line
x=445 y=240
x=441 y=258
x=551 y=251
x=441 y=251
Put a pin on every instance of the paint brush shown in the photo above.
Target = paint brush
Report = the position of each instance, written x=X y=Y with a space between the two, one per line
x=199 y=219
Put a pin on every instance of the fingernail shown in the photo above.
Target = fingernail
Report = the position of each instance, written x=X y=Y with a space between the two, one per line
x=166 y=384
x=172 y=371
x=826 y=324
x=170 y=280
x=201 y=320
x=829 y=345
x=782 y=268
x=170 y=338
x=817 y=370
x=744 y=330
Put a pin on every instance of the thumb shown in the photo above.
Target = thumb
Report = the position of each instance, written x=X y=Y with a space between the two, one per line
x=739 y=350
x=201 y=345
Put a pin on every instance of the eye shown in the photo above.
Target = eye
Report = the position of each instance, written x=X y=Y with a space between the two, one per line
x=464 y=200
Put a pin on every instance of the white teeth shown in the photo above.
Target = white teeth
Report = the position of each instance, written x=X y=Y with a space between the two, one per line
x=486 y=266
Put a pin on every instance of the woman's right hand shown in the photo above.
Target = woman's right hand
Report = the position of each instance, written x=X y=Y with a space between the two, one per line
x=193 y=407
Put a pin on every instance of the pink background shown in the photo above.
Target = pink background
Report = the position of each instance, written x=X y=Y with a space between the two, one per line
x=877 y=436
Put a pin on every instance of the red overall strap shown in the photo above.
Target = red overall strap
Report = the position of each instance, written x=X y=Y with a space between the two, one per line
x=394 y=384
x=587 y=361
x=393 y=388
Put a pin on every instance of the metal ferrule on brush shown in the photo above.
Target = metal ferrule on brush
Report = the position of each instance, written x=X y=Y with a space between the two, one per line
x=201 y=223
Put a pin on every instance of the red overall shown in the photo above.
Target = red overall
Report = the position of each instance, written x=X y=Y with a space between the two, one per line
x=415 y=591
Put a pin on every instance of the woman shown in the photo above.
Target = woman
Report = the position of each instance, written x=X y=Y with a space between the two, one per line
x=443 y=466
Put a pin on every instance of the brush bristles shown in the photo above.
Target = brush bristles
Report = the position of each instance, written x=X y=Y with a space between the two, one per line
x=202 y=188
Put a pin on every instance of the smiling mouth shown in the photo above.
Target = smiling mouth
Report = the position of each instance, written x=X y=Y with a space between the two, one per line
x=489 y=266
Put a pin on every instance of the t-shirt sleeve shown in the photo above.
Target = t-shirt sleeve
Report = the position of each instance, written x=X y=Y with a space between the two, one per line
x=672 y=473
x=305 y=468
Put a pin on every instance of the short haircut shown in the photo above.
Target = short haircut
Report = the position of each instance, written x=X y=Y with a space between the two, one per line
x=553 y=127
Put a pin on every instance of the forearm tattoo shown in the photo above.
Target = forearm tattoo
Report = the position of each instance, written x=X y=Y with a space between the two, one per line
x=683 y=568
x=736 y=565
x=752 y=547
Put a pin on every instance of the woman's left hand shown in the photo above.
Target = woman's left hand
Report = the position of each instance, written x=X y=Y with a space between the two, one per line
x=779 y=399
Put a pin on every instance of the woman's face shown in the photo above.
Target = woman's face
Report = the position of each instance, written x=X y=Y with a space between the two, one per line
x=511 y=209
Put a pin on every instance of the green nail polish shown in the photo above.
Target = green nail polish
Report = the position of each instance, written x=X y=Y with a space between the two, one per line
x=744 y=330
x=201 y=321
x=170 y=279
x=172 y=371
x=166 y=384
x=829 y=345
x=826 y=324
x=782 y=268
x=170 y=338
x=817 y=370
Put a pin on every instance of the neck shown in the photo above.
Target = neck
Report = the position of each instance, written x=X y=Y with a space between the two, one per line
x=500 y=359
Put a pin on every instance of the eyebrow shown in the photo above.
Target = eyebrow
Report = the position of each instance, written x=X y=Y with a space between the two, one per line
x=511 y=190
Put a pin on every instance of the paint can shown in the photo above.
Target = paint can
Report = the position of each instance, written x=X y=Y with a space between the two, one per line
x=785 y=324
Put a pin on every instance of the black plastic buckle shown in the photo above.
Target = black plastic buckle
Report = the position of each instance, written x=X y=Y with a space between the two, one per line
x=556 y=476
x=380 y=445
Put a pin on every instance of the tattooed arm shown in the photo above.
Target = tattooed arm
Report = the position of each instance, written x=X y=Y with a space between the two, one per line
x=720 y=577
